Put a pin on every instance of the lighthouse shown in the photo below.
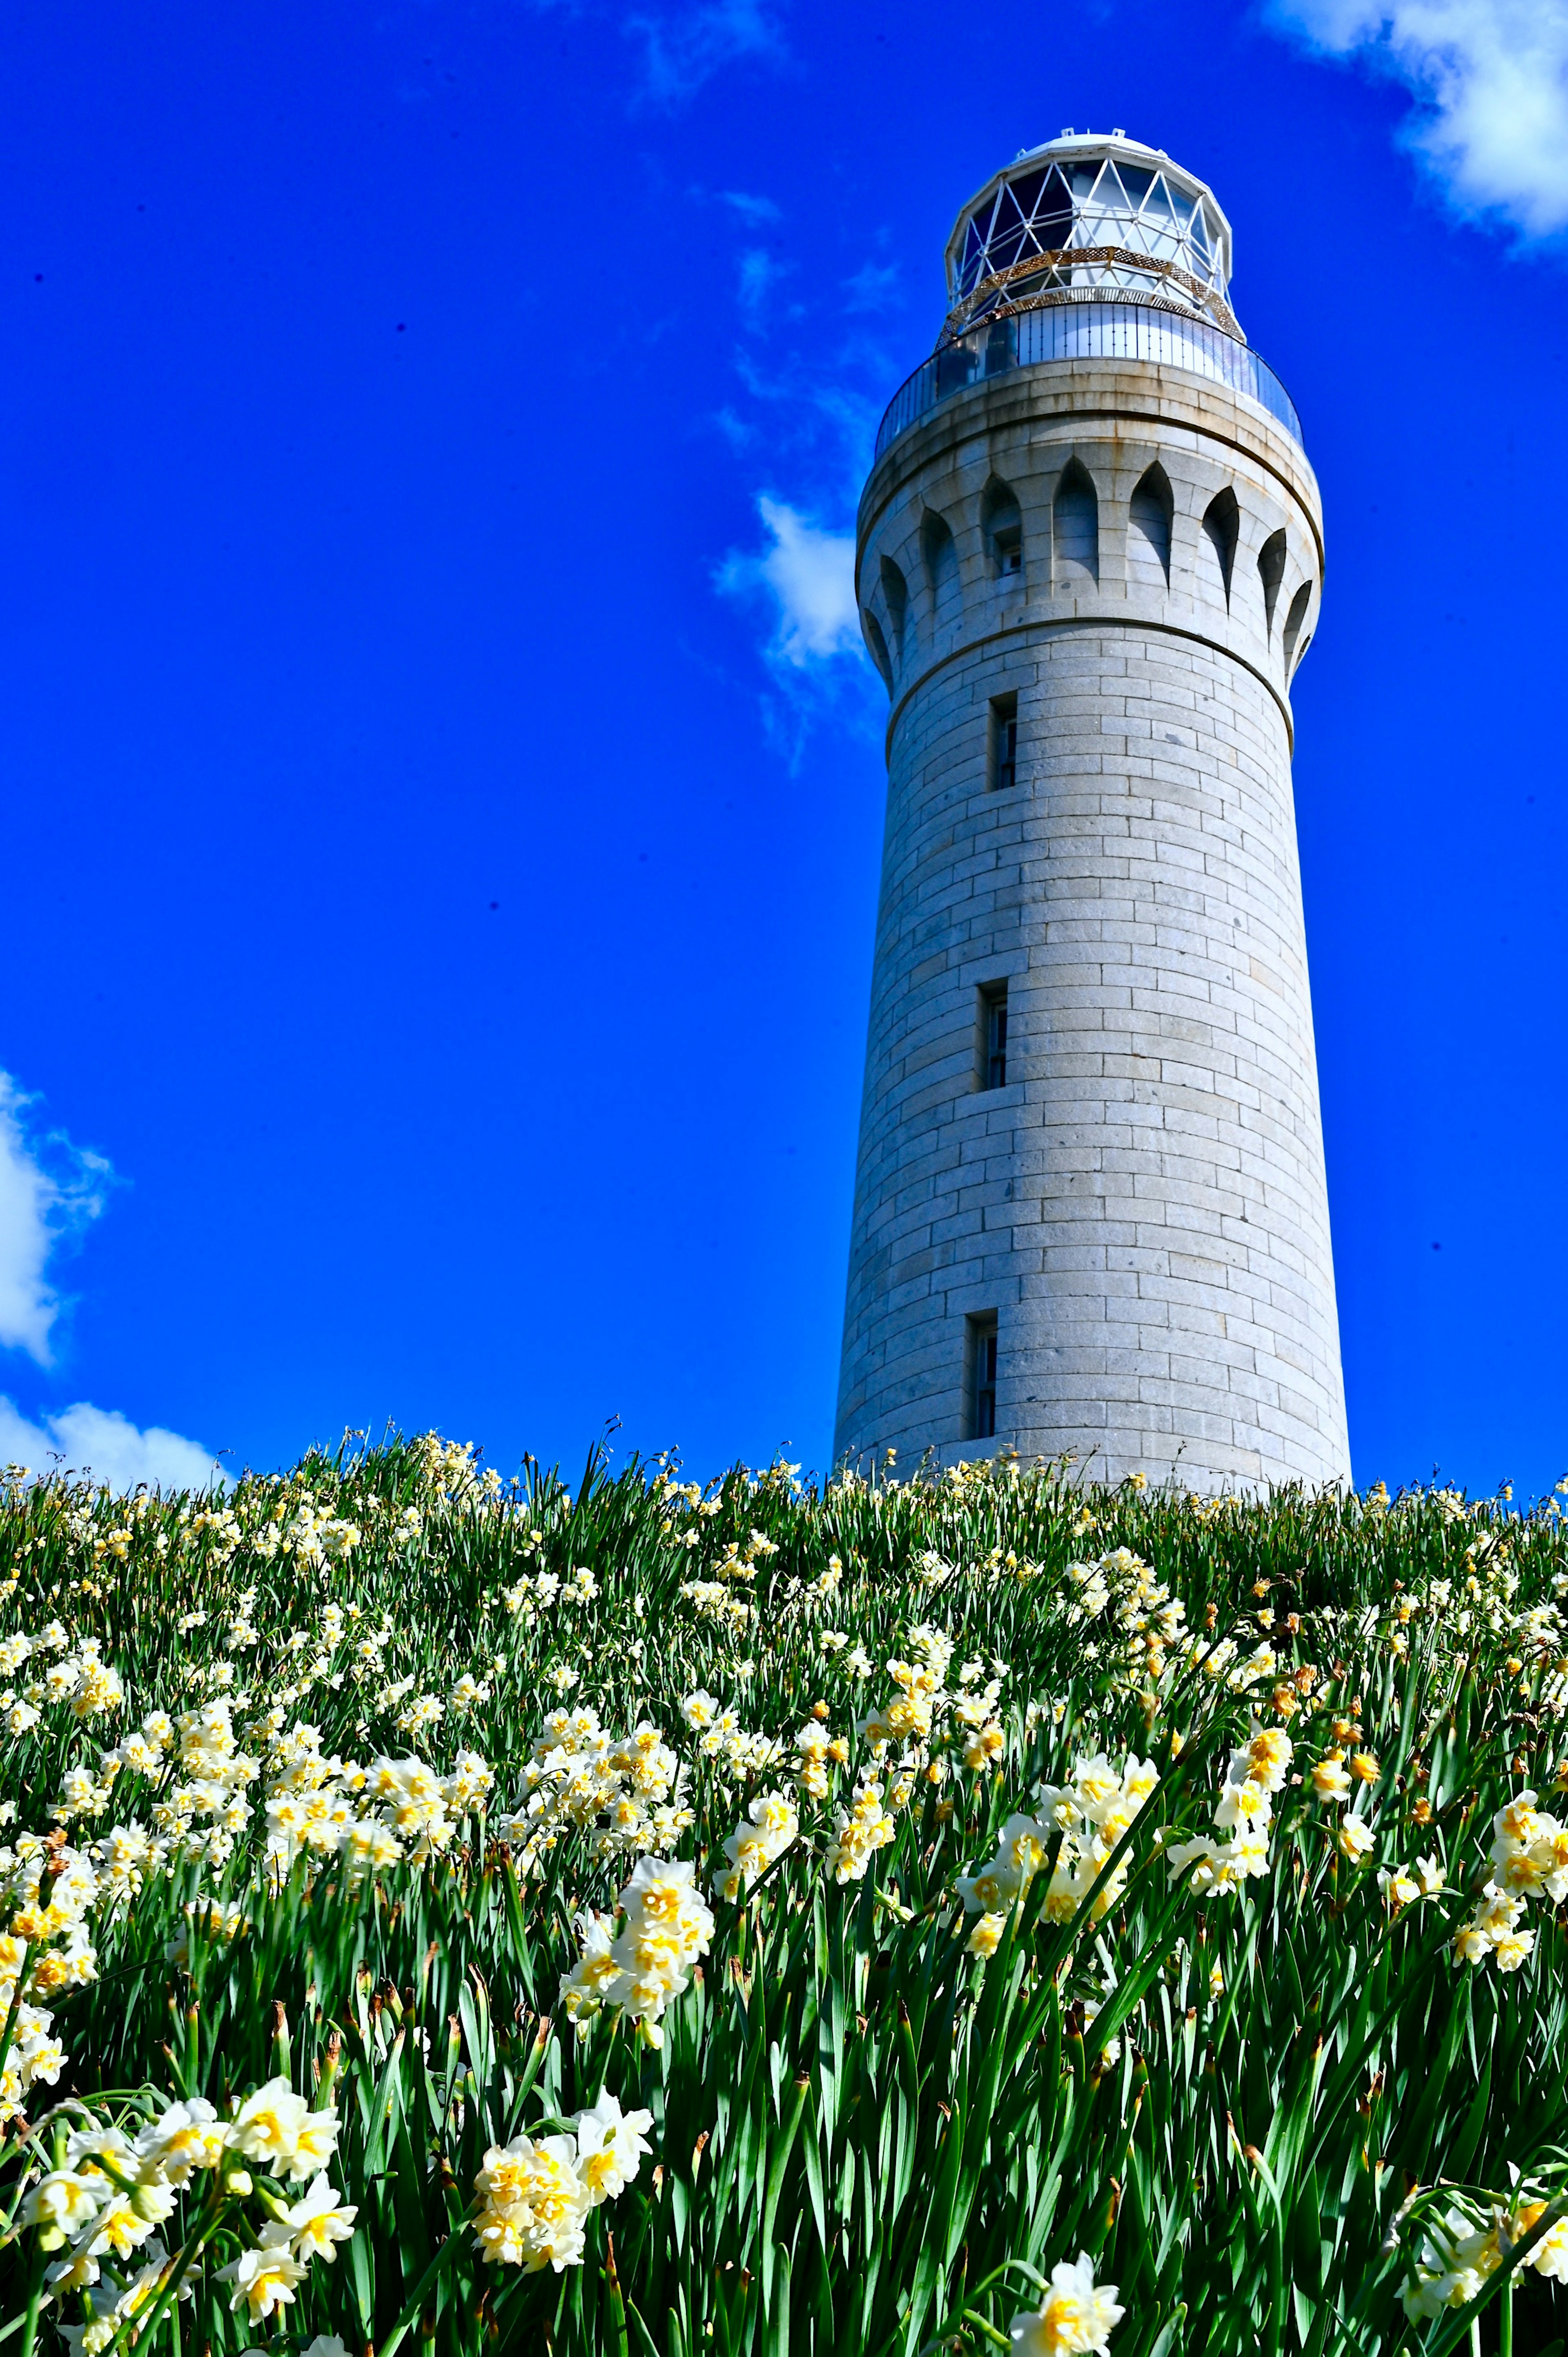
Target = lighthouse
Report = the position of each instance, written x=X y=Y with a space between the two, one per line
x=1091 y=1209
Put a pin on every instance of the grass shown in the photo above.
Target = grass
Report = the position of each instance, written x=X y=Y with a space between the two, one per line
x=1267 y=2102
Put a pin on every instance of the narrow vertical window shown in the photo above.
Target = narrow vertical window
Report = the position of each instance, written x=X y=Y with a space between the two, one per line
x=896 y=593
x=980 y=1352
x=941 y=568
x=1149 y=522
x=1002 y=526
x=1222 y=529
x=1003 y=760
x=993 y=1036
x=876 y=641
x=1075 y=527
x=1271 y=567
x=1294 y=620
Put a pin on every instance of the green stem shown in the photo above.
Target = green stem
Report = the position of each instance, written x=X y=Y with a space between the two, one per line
x=972 y=2316
x=615 y=2302
x=15 y=2005
x=417 y=2300
x=145 y=2326
x=34 y=2303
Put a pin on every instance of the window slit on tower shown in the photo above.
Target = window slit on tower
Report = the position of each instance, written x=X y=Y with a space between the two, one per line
x=1294 y=620
x=1222 y=528
x=1002 y=525
x=980 y=1377
x=1075 y=529
x=992 y=1036
x=1272 y=571
x=1149 y=532
x=1003 y=764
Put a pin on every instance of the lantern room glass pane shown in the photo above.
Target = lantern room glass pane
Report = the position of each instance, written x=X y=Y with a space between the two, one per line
x=1053 y=219
x=1025 y=193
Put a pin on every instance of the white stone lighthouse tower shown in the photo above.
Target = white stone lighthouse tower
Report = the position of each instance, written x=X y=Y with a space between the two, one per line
x=1090 y=1212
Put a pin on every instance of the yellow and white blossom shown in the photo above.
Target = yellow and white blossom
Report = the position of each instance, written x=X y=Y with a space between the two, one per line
x=1075 y=2315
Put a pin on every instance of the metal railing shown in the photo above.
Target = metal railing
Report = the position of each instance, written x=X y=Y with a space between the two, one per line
x=1087 y=331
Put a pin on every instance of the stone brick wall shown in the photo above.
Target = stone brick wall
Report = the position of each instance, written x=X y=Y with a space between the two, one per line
x=1142 y=1205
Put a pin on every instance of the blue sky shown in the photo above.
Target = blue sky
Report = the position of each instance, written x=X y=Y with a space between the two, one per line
x=443 y=792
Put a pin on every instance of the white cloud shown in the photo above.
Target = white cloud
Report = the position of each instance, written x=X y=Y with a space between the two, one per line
x=756 y=211
x=48 y=1189
x=758 y=274
x=808 y=576
x=873 y=287
x=683 y=52
x=1492 y=79
x=107 y=1445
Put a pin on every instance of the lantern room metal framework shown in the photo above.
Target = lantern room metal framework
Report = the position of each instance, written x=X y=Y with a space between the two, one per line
x=1082 y=219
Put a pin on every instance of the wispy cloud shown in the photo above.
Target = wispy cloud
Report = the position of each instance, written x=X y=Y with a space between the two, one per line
x=807 y=575
x=102 y=1442
x=50 y=1190
x=1492 y=80
x=737 y=433
x=757 y=212
x=804 y=400
x=873 y=287
x=812 y=379
x=682 y=52
x=759 y=273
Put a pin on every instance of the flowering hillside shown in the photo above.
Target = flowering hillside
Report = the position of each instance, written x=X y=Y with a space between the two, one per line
x=933 y=1915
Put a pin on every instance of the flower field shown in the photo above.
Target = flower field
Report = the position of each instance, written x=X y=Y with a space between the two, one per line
x=973 y=1912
